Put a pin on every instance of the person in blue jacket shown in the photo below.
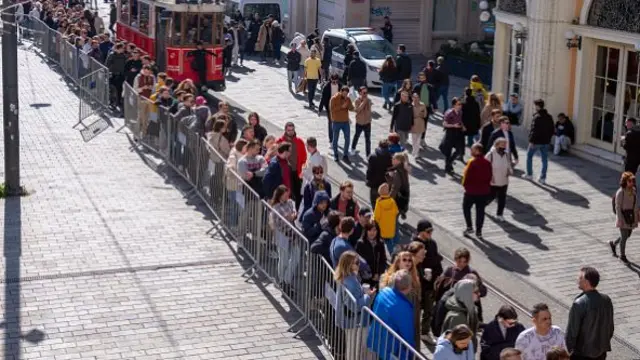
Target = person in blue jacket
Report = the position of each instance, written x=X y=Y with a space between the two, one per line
x=394 y=309
x=455 y=344
x=312 y=218
x=350 y=296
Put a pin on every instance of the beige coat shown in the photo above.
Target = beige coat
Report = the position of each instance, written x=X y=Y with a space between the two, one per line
x=363 y=111
x=485 y=115
x=262 y=36
x=220 y=144
x=626 y=200
x=419 y=118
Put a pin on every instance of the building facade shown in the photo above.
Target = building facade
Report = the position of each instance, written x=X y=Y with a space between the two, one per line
x=422 y=25
x=581 y=57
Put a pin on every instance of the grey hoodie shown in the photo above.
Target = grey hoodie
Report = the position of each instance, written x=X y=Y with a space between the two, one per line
x=255 y=164
x=461 y=308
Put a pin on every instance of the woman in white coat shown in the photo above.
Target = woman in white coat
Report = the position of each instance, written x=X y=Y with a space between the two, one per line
x=502 y=169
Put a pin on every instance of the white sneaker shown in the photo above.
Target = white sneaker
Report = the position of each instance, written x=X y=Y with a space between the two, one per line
x=542 y=181
x=500 y=218
x=427 y=338
x=527 y=177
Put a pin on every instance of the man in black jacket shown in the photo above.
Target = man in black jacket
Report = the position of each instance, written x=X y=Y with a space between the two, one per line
x=329 y=89
x=431 y=268
x=378 y=164
x=116 y=62
x=542 y=130
x=631 y=144
x=590 y=327
x=357 y=72
x=293 y=67
x=403 y=65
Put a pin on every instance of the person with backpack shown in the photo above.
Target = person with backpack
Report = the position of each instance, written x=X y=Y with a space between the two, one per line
x=625 y=208
x=461 y=309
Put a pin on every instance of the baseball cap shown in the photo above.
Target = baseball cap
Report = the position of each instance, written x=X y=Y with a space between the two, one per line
x=200 y=100
x=424 y=225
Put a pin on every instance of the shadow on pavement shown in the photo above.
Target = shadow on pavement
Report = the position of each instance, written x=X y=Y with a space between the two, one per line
x=527 y=214
x=520 y=235
x=502 y=256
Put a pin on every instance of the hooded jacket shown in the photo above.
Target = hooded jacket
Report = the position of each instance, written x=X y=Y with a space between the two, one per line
x=309 y=191
x=404 y=66
x=542 y=128
x=322 y=245
x=357 y=69
x=461 y=308
x=385 y=214
x=377 y=167
x=311 y=220
x=445 y=351
x=396 y=311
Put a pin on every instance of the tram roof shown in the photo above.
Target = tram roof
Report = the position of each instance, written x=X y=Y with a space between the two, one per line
x=210 y=6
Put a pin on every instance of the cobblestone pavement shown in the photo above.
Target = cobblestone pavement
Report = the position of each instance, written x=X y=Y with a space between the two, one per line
x=550 y=230
x=106 y=259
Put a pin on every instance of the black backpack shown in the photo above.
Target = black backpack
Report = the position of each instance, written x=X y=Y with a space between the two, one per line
x=439 y=314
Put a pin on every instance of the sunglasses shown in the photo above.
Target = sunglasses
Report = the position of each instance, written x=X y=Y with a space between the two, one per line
x=407 y=260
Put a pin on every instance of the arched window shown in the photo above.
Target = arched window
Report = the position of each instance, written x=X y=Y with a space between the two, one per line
x=622 y=15
x=518 y=7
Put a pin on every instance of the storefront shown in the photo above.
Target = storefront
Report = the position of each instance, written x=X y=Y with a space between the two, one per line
x=584 y=62
x=406 y=19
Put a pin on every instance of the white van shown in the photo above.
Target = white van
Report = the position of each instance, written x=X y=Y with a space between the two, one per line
x=250 y=7
x=373 y=50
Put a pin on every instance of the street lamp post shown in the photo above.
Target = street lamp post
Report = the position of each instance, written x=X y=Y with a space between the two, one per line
x=10 y=98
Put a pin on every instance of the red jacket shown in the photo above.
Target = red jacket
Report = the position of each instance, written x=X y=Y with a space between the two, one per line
x=476 y=178
x=302 y=152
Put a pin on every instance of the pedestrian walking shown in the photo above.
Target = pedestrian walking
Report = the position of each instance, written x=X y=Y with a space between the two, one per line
x=470 y=117
x=501 y=170
x=432 y=77
x=403 y=64
x=419 y=123
x=312 y=73
x=443 y=89
x=340 y=105
x=357 y=72
x=377 y=165
x=626 y=210
x=329 y=90
x=387 y=29
x=503 y=131
x=388 y=75
x=493 y=103
x=631 y=145
x=542 y=130
x=293 y=68
x=402 y=118
x=477 y=187
x=536 y=341
x=327 y=55
x=363 y=120
x=488 y=128
x=277 y=39
x=590 y=327
x=264 y=44
x=348 y=57
x=453 y=139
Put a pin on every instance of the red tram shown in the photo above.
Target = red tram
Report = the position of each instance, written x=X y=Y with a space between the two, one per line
x=168 y=30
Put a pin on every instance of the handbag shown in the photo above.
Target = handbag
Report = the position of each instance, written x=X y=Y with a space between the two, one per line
x=629 y=215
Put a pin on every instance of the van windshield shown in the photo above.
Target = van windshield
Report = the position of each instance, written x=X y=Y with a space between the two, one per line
x=263 y=9
x=375 y=49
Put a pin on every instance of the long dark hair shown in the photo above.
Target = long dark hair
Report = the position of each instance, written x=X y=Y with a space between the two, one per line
x=389 y=64
x=277 y=194
x=368 y=226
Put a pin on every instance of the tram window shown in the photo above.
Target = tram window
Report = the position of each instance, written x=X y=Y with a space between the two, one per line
x=124 y=11
x=143 y=22
x=176 y=33
x=133 y=17
x=206 y=29
x=191 y=30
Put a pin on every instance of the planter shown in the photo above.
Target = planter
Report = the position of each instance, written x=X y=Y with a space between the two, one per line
x=465 y=68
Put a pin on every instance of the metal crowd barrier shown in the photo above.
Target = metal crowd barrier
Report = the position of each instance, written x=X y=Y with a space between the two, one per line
x=278 y=251
x=89 y=74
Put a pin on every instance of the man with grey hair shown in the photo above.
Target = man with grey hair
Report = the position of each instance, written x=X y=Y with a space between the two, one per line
x=394 y=309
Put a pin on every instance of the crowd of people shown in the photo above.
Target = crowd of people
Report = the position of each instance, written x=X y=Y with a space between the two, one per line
x=405 y=284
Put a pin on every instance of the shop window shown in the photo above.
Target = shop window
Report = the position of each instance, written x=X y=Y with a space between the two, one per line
x=516 y=63
x=143 y=18
x=445 y=15
x=605 y=94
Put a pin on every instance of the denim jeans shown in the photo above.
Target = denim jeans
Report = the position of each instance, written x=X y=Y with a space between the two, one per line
x=292 y=78
x=443 y=93
x=336 y=128
x=366 y=129
x=544 y=154
x=388 y=91
x=288 y=258
x=312 y=84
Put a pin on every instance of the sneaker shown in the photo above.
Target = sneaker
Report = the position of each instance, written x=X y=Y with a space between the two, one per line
x=527 y=177
x=542 y=181
x=500 y=218
x=613 y=248
x=468 y=231
x=623 y=258
x=479 y=236
x=346 y=159
x=427 y=338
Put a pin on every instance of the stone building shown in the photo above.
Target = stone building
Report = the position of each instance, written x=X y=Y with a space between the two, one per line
x=582 y=57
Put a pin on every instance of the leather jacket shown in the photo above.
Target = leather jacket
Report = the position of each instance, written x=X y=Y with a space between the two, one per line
x=590 y=327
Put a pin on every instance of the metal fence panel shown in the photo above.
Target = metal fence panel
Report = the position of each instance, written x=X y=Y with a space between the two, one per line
x=131 y=108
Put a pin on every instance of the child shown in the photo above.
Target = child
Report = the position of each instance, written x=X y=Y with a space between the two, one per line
x=479 y=92
x=386 y=216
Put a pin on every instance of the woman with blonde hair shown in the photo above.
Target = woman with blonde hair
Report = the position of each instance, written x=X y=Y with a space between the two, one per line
x=625 y=206
x=405 y=260
x=493 y=103
x=351 y=297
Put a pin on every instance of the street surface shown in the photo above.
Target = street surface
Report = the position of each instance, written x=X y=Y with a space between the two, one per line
x=106 y=259
x=550 y=232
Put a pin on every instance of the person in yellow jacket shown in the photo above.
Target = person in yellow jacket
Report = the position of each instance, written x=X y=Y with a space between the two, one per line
x=385 y=215
x=477 y=87
x=161 y=81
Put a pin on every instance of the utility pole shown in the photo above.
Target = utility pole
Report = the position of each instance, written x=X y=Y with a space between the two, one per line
x=10 y=100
